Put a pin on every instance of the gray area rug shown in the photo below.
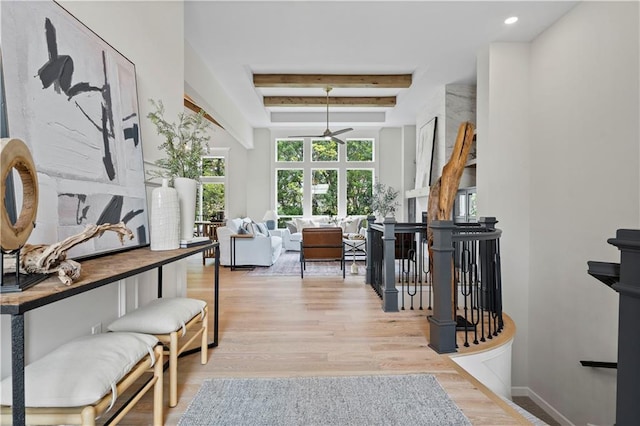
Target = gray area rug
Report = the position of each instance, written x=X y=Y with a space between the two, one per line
x=289 y=264
x=364 y=400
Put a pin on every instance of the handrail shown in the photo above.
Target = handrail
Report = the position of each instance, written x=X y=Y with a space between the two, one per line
x=463 y=257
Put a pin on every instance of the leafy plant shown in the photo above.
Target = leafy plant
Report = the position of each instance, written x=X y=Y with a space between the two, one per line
x=384 y=200
x=185 y=143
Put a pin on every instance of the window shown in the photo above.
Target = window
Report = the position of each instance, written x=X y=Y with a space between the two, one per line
x=290 y=150
x=213 y=195
x=316 y=177
x=324 y=192
x=359 y=191
x=359 y=149
x=322 y=150
x=289 y=192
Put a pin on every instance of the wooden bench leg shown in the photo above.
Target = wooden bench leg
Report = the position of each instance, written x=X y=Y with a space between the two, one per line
x=158 y=371
x=173 y=369
x=204 y=347
x=88 y=416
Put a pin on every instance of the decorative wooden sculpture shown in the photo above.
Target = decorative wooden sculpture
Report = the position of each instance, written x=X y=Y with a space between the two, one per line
x=443 y=194
x=14 y=154
x=46 y=259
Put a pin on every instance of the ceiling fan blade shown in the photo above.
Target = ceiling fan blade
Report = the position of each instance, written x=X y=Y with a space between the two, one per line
x=340 y=141
x=341 y=131
x=306 y=136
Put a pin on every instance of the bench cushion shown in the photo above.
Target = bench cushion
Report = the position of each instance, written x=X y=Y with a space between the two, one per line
x=82 y=371
x=160 y=316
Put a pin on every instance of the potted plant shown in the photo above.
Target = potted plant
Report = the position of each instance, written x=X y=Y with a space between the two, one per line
x=384 y=200
x=185 y=142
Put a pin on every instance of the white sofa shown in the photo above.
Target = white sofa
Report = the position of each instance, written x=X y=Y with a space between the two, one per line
x=259 y=250
x=291 y=240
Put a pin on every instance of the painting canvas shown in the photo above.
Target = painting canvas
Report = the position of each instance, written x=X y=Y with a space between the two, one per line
x=424 y=154
x=72 y=99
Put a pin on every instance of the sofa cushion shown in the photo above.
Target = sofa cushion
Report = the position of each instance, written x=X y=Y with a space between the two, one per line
x=160 y=316
x=82 y=371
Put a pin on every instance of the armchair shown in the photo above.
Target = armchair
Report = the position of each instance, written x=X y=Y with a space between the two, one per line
x=321 y=244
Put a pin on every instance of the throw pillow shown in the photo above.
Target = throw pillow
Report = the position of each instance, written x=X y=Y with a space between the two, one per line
x=291 y=226
x=234 y=225
x=262 y=229
x=302 y=223
x=352 y=226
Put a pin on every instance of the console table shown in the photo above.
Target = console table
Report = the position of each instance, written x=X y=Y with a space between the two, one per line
x=95 y=273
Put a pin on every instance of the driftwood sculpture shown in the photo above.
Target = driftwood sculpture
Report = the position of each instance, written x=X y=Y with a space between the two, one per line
x=47 y=259
x=443 y=194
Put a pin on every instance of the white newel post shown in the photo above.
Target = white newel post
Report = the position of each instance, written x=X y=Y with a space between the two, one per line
x=187 y=192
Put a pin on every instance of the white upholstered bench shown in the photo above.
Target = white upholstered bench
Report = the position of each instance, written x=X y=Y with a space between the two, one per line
x=168 y=319
x=80 y=380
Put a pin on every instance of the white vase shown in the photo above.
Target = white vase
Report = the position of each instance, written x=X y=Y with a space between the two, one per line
x=187 y=192
x=165 y=218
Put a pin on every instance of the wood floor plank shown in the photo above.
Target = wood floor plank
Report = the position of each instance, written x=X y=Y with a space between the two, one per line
x=316 y=326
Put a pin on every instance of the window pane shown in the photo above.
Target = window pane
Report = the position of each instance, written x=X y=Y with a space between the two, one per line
x=213 y=166
x=322 y=150
x=324 y=192
x=289 y=193
x=290 y=150
x=359 y=191
x=212 y=200
x=359 y=150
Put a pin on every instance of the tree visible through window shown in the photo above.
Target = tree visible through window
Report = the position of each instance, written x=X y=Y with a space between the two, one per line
x=322 y=150
x=359 y=150
x=211 y=200
x=289 y=192
x=359 y=191
x=290 y=150
x=310 y=185
x=324 y=192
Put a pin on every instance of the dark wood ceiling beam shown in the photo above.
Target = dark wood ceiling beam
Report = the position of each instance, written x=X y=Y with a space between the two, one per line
x=188 y=103
x=395 y=81
x=337 y=101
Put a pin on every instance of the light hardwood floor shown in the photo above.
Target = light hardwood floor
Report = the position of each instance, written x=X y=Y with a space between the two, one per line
x=285 y=326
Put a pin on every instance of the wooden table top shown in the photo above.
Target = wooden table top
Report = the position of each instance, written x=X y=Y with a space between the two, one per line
x=95 y=273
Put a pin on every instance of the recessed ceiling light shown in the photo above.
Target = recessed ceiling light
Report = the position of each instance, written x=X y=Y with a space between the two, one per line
x=511 y=20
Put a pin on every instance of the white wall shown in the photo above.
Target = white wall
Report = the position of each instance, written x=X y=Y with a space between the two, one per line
x=260 y=191
x=390 y=157
x=408 y=169
x=584 y=91
x=559 y=165
x=150 y=34
x=202 y=86
x=503 y=178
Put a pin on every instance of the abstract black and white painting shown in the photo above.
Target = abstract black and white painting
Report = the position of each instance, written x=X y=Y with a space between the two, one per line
x=72 y=98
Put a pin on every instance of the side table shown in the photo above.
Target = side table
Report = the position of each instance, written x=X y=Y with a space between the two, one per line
x=356 y=247
x=232 y=247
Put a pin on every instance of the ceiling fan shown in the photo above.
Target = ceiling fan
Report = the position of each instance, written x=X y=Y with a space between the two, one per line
x=328 y=134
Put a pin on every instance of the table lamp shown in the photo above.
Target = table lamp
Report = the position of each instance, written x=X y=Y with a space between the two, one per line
x=270 y=218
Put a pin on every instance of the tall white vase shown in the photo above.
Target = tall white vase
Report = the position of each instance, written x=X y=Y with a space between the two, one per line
x=165 y=218
x=187 y=192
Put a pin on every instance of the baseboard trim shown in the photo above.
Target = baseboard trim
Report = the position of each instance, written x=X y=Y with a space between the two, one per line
x=526 y=391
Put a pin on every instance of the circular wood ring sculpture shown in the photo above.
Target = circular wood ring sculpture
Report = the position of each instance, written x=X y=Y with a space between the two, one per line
x=15 y=154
